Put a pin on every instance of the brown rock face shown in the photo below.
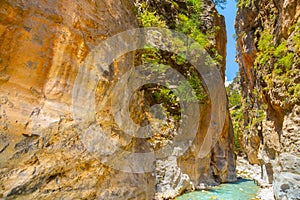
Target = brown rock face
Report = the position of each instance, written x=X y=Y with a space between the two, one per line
x=44 y=48
x=268 y=33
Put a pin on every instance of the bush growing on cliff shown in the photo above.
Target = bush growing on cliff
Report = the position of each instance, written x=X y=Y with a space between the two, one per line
x=243 y=3
x=236 y=111
x=277 y=63
x=190 y=27
x=265 y=47
x=188 y=22
x=151 y=19
x=195 y=5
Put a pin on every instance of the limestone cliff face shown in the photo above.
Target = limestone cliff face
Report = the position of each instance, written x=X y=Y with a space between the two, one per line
x=44 y=45
x=268 y=56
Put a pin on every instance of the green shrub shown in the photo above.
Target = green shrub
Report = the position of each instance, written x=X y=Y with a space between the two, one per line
x=281 y=58
x=195 y=5
x=188 y=23
x=151 y=19
x=243 y=3
x=265 y=43
x=236 y=111
x=297 y=91
x=265 y=47
x=287 y=61
x=195 y=83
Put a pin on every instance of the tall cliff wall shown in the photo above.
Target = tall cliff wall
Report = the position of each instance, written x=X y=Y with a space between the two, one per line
x=44 y=45
x=268 y=55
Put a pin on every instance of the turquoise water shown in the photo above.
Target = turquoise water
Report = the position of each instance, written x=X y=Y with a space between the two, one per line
x=243 y=189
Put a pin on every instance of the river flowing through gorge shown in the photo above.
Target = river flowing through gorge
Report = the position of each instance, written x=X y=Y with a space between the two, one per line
x=126 y=100
x=243 y=189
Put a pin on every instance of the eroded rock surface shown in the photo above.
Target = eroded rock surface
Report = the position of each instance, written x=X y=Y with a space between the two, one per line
x=268 y=56
x=44 y=45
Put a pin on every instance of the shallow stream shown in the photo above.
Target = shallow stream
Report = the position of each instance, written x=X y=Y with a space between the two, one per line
x=243 y=189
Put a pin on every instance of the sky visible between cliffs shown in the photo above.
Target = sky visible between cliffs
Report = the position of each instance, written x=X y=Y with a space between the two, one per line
x=229 y=12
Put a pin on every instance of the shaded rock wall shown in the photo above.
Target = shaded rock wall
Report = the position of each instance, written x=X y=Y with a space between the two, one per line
x=44 y=44
x=268 y=56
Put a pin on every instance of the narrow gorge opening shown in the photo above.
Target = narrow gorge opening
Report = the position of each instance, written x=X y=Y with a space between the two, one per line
x=264 y=97
x=249 y=175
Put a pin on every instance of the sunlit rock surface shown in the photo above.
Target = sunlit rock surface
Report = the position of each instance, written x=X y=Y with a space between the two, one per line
x=270 y=87
x=43 y=47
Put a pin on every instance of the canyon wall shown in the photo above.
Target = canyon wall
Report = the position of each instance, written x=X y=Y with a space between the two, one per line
x=47 y=51
x=268 y=34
